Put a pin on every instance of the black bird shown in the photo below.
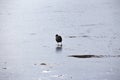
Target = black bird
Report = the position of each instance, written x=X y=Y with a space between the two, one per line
x=58 y=39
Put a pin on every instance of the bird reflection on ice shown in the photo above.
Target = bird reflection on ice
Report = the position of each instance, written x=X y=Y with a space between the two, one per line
x=58 y=48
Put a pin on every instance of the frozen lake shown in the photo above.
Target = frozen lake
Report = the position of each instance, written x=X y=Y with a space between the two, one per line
x=91 y=40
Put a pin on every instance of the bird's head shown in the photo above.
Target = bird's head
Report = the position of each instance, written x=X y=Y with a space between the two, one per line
x=56 y=35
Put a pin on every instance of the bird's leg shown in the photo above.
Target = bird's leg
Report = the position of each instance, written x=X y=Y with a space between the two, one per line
x=61 y=44
x=58 y=44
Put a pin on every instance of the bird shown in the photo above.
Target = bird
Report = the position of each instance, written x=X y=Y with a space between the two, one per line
x=58 y=39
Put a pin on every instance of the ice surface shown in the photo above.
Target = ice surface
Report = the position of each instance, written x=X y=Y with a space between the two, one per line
x=88 y=27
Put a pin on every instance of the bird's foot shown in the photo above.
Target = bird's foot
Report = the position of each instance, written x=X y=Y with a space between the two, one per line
x=59 y=44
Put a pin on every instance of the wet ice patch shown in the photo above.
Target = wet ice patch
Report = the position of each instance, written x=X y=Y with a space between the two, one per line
x=72 y=36
x=43 y=64
x=85 y=36
x=88 y=25
x=32 y=33
x=3 y=65
x=4 y=68
x=93 y=56
x=58 y=76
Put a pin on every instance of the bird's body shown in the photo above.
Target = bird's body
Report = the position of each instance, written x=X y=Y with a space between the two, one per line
x=58 y=39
